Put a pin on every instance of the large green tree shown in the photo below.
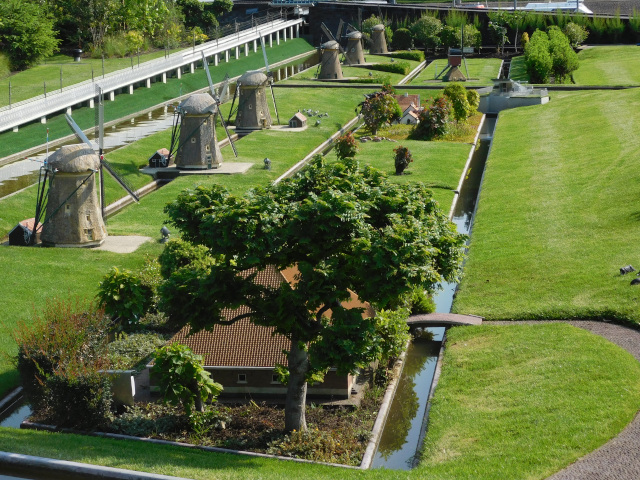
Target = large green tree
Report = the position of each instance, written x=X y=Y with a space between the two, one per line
x=378 y=109
x=344 y=227
x=26 y=33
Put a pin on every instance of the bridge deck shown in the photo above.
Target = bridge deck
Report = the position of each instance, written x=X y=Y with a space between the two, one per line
x=444 y=319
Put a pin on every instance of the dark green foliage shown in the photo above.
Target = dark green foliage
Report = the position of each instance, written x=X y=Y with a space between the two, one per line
x=433 y=120
x=183 y=379
x=415 y=55
x=26 y=33
x=537 y=58
x=426 y=31
x=393 y=332
x=402 y=158
x=421 y=302
x=550 y=54
x=576 y=33
x=402 y=39
x=473 y=97
x=378 y=109
x=153 y=419
x=317 y=445
x=125 y=297
x=396 y=67
x=457 y=95
x=346 y=146
x=126 y=351
x=563 y=58
x=452 y=36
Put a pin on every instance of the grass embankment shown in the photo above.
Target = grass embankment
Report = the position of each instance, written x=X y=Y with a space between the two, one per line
x=557 y=215
x=518 y=70
x=524 y=401
x=482 y=71
x=512 y=402
x=608 y=65
x=35 y=133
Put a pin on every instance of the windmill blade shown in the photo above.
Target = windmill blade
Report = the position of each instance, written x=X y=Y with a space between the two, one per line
x=205 y=64
x=224 y=96
x=351 y=28
x=340 y=25
x=119 y=179
x=264 y=54
x=233 y=146
x=275 y=107
x=233 y=102
x=77 y=130
x=327 y=32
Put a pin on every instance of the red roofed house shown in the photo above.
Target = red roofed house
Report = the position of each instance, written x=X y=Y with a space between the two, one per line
x=406 y=100
x=242 y=356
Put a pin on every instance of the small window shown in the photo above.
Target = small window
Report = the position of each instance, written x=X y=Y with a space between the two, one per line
x=242 y=378
x=275 y=378
x=193 y=139
x=68 y=207
x=208 y=148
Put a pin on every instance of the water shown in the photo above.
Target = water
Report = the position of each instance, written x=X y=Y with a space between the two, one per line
x=15 y=418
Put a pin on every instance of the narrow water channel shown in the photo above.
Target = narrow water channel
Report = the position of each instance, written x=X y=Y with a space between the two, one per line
x=406 y=423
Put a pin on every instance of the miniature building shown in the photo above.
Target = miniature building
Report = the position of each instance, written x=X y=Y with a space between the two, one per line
x=455 y=75
x=354 y=54
x=21 y=234
x=73 y=217
x=409 y=117
x=160 y=159
x=330 y=63
x=253 y=111
x=378 y=40
x=242 y=356
x=507 y=93
x=298 y=121
x=198 y=146
x=405 y=101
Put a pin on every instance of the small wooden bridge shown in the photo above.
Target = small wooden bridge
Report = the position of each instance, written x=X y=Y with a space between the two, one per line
x=443 y=319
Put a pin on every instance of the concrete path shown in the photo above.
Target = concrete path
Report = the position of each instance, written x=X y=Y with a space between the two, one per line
x=618 y=459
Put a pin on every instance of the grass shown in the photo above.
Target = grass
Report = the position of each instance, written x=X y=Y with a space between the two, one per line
x=482 y=71
x=557 y=215
x=505 y=407
x=35 y=133
x=518 y=70
x=524 y=401
x=608 y=65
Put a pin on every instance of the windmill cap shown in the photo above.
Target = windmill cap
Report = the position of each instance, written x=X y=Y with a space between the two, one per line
x=253 y=77
x=378 y=28
x=357 y=35
x=198 y=104
x=74 y=159
x=330 y=45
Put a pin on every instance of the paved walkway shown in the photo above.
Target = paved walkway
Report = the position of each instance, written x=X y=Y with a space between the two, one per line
x=618 y=459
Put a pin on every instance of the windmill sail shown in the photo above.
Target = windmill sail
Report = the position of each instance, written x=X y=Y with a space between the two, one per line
x=270 y=77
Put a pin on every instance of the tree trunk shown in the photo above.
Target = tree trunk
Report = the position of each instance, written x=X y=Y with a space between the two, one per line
x=294 y=410
x=198 y=404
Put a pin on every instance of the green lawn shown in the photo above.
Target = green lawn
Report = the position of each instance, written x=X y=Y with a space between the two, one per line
x=609 y=65
x=481 y=72
x=557 y=214
x=35 y=133
x=518 y=71
x=524 y=401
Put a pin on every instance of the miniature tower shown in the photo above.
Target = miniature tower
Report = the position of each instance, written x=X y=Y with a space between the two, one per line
x=354 y=54
x=253 y=110
x=378 y=41
x=198 y=143
x=73 y=217
x=330 y=62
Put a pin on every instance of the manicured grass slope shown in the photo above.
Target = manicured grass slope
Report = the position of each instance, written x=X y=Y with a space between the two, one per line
x=609 y=65
x=481 y=71
x=558 y=213
x=524 y=401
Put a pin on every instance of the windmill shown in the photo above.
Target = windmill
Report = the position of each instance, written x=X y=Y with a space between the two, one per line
x=354 y=55
x=67 y=204
x=330 y=55
x=378 y=40
x=251 y=92
x=455 y=58
x=194 y=142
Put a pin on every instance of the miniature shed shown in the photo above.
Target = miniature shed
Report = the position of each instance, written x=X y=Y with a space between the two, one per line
x=160 y=159
x=298 y=121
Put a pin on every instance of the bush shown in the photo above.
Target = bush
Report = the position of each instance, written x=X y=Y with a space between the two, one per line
x=378 y=109
x=426 y=31
x=134 y=41
x=402 y=68
x=473 y=97
x=393 y=333
x=576 y=34
x=346 y=146
x=128 y=350
x=524 y=40
x=457 y=95
x=402 y=39
x=147 y=420
x=415 y=55
x=317 y=445
x=125 y=297
x=537 y=59
x=402 y=159
x=113 y=46
x=66 y=333
x=564 y=60
x=433 y=120
x=421 y=302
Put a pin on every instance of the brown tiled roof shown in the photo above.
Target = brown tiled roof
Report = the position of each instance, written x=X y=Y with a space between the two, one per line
x=406 y=101
x=245 y=344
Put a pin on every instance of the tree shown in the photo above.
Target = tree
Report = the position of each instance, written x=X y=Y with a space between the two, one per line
x=378 y=109
x=426 y=31
x=203 y=15
x=564 y=59
x=452 y=36
x=345 y=228
x=433 y=120
x=537 y=59
x=346 y=146
x=402 y=39
x=576 y=34
x=457 y=95
x=26 y=33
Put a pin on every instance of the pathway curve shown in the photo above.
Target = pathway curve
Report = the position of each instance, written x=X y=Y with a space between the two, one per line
x=618 y=459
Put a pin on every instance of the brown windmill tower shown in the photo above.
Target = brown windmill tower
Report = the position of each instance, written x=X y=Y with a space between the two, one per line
x=378 y=41
x=354 y=54
x=330 y=62
x=253 y=111
x=198 y=143
x=73 y=211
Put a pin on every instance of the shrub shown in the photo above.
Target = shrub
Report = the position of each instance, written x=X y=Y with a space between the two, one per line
x=148 y=420
x=128 y=350
x=397 y=67
x=134 y=41
x=183 y=379
x=537 y=59
x=433 y=120
x=346 y=146
x=124 y=296
x=402 y=159
x=524 y=40
x=457 y=95
x=421 y=302
x=564 y=60
x=393 y=333
x=415 y=55
x=317 y=445
x=402 y=39
x=378 y=109
x=473 y=97
x=114 y=46
x=426 y=31
x=576 y=34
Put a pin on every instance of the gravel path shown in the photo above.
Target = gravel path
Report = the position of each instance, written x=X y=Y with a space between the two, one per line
x=618 y=459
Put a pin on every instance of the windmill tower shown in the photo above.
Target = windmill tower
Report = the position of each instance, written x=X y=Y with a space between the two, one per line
x=73 y=212
x=198 y=143
x=253 y=111
x=330 y=62
x=354 y=54
x=378 y=40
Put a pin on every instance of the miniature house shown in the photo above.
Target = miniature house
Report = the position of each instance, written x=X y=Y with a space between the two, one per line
x=198 y=146
x=73 y=216
x=378 y=40
x=242 y=356
x=354 y=54
x=298 y=121
x=253 y=111
x=160 y=159
x=330 y=63
x=20 y=235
